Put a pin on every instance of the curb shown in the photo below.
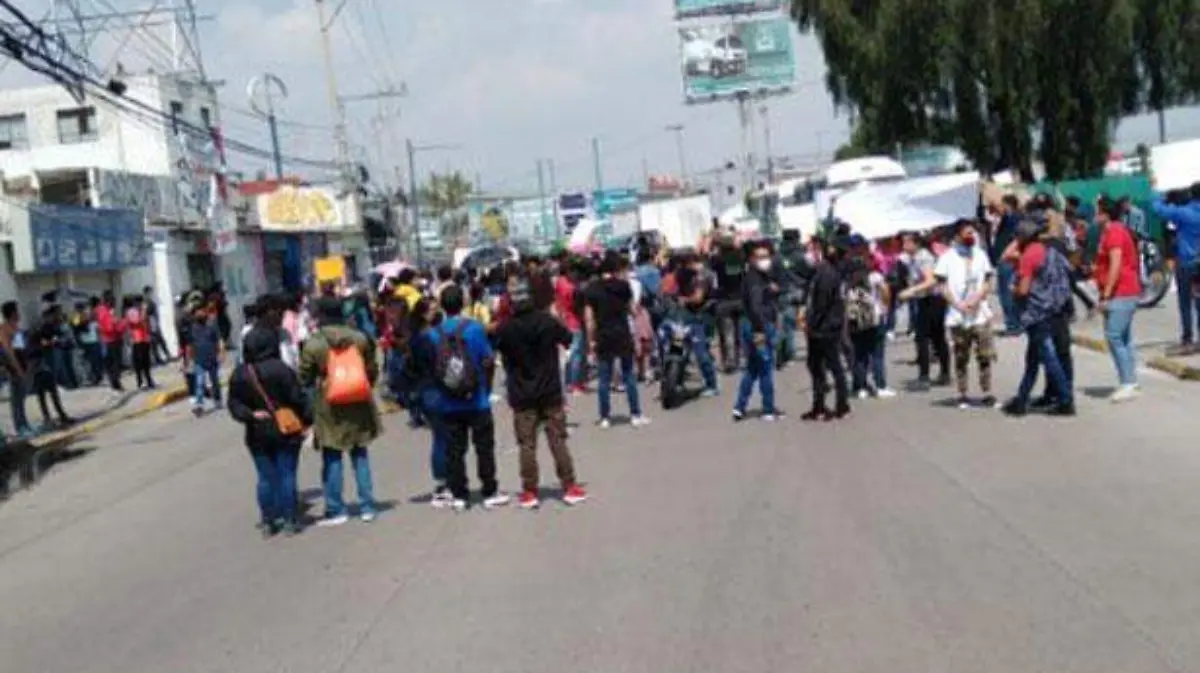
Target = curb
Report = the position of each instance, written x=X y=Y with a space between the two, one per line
x=23 y=458
x=1178 y=369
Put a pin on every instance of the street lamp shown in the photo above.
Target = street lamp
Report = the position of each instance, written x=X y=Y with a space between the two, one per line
x=414 y=197
x=677 y=129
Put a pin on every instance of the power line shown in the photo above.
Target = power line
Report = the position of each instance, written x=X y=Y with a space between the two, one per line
x=76 y=79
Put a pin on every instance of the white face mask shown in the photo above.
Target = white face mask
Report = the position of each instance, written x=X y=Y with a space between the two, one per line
x=763 y=265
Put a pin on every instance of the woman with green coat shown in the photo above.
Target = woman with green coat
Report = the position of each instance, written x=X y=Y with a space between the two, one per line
x=342 y=428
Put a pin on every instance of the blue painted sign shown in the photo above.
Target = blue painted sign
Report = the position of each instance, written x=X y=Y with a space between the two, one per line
x=605 y=201
x=76 y=238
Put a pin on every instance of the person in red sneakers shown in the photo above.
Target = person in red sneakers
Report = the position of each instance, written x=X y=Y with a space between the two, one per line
x=529 y=344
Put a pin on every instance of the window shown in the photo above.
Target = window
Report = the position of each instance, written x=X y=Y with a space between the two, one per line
x=206 y=117
x=13 y=133
x=176 y=115
x=77 y=125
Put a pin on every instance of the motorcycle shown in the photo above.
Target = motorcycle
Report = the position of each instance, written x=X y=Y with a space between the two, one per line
x=675 y=338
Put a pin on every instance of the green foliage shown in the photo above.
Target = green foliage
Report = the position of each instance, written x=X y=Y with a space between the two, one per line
x=1007 y=81
x=443 y=198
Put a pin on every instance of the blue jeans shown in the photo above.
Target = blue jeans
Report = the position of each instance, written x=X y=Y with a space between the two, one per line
x=703 y=352
x=1041 y=352
x=628 y=376
x=94 y=356
x=760 y=368
x=1189 y=306
x=17 y=390
x=869 y=346
x=576 y=357
x=276 y=466
x=212 y=373
x=1118 y=331
x=331 y=476
x=1005 y=274
x=438 y=455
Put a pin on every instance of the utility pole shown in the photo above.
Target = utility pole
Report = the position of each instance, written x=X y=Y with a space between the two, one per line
x=542 y=228
x=335 y=100
x=677 y=129
x=414 y=200
x=554 y=196
x=596 y=163
x=645 y=173
x=766 y=115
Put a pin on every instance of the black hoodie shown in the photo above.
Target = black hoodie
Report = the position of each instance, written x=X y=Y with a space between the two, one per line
x=826 y=316
x=759 y=300
x=261 y=357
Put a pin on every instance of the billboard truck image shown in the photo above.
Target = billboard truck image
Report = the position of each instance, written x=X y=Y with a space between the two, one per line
x=728 y=60
x=686 y=9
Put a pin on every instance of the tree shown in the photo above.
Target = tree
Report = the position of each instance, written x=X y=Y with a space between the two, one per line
x=1009 y=81
x=444 y=198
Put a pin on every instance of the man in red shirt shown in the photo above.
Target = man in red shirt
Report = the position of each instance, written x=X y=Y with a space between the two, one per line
x=112 y=338
x=1043 y=293
x=565 y=288
x=1117 y=276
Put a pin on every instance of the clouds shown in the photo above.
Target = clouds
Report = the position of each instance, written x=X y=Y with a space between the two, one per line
x=510 y=80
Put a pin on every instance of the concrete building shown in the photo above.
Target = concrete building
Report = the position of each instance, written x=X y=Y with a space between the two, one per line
x=73 y=172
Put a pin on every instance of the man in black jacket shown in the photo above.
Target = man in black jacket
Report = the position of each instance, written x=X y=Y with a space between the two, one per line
x=529 y=343
x=728 y=263
x=760 y=299
x=760 y=308
x=826 y=326
x=791 y=267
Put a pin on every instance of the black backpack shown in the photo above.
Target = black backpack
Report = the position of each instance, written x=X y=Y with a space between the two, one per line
x=454 y=369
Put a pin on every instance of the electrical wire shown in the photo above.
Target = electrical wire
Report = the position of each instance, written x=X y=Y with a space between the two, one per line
x=69 y=76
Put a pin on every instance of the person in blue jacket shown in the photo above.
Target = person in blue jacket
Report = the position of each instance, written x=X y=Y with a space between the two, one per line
x=1181 y=209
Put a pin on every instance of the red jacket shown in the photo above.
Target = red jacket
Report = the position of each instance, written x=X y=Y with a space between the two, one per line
x=112 y=330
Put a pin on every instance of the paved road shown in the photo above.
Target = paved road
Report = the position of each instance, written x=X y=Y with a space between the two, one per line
x=913 y=538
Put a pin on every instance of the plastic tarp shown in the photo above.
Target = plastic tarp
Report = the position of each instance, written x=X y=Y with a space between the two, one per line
x=1175 y=165
x=919 y=204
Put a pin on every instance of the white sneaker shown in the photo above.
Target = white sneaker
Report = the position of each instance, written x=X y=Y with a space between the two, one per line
x=458 y=505
x=441 y=498
x=332 y=521
x=769 y=418
x=604 y=424
x=863 y=394
x=639 y=421
x=500 y=499
x=368 y=516
x=885 y=393
x=1125 y=393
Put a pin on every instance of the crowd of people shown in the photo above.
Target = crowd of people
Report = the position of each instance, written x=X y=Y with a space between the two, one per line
x=306 y=367
x=92 y=344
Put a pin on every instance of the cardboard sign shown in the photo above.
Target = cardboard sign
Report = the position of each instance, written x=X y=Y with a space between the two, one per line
x=330 y=270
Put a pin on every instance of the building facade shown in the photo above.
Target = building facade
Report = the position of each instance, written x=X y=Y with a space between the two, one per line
x=76 y=175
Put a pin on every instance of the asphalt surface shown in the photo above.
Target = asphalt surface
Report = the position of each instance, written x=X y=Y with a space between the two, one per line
x=913 y=537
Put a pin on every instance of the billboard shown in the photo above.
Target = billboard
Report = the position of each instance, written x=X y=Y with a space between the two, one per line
x=77 y=238
x=605 y=201
x=687 y=9
x=290 y=208
x=724 y=60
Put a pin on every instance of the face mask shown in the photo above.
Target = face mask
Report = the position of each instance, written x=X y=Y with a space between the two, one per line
x=763 y=265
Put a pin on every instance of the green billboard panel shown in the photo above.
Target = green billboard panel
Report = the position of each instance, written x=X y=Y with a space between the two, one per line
x=728 y=60
x=686 y=9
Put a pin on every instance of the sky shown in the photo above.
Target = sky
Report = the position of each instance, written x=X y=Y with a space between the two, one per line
x=507 y=82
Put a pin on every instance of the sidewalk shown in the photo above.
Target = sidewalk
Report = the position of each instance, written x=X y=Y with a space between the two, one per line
x=1154 y=331
x=93 y=407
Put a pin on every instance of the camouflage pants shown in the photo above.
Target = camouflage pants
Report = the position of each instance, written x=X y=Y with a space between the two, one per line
x=978 y=338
